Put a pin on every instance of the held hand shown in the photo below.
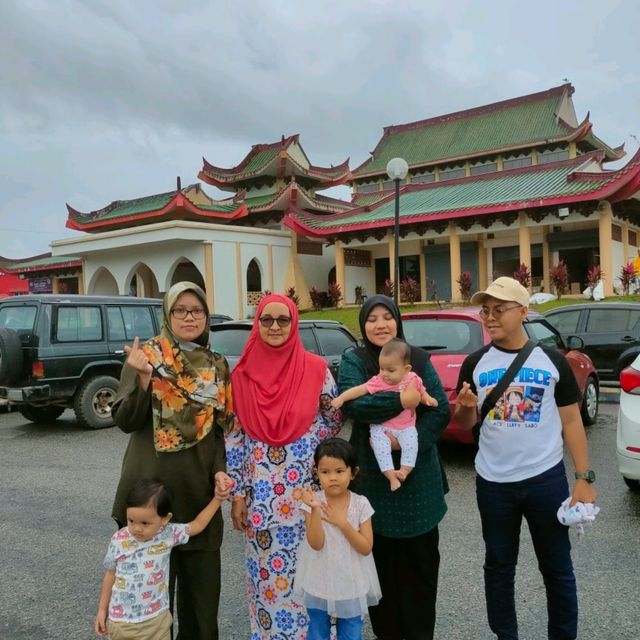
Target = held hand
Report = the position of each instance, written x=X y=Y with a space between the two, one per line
x=239 y=513
x=334 y=515
x=410 y=396
x=223 y=485
x=137 y=359
x=584 y=492
x=310 y=498
x=430 y=401
x=336 y=403
x=466 y=398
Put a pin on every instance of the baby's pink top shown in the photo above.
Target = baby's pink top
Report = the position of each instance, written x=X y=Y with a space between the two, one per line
x=406 y=418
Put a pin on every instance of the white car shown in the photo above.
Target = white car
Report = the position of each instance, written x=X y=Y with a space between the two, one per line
x=628 y=439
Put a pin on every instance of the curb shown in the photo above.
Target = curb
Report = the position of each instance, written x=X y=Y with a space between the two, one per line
x=609 y=395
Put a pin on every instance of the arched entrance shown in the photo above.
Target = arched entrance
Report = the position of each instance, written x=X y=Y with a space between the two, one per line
x=186 y=270
x=142 y=282
x=103 y=283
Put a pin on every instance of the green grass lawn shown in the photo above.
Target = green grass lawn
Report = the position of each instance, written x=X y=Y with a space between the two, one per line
x=349 y=315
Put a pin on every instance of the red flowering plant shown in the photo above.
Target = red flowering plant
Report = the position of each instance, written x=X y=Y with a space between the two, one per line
x=523 y=275
x=559 y=276
x=465 y=283
x=627 y=277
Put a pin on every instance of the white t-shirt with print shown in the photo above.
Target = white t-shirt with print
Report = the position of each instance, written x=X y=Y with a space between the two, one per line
x=141 y=589
x=521 y=436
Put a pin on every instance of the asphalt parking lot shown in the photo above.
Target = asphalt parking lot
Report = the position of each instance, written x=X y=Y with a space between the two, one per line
x=57 y=484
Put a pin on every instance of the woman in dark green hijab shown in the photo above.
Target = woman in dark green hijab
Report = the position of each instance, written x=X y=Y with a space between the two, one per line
x=175 y=402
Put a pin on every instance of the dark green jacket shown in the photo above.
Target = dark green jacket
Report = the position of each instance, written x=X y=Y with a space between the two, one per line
x=419 y=505
x=189 y=474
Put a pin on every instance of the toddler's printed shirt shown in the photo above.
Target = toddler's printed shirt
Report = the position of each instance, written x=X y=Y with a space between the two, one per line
x=141 y=589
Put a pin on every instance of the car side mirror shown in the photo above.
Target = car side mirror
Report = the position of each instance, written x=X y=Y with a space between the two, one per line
x=575 y=342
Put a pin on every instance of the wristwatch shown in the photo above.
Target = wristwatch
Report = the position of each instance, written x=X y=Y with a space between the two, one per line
x=589 y=476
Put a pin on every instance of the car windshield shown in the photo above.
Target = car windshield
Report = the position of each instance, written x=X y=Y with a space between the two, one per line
x=230 y=341
x=444 y=335
x=17 y=318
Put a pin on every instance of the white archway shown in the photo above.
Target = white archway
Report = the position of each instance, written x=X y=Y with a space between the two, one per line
x=184 y=269
x=142 y=281
x=103 y=283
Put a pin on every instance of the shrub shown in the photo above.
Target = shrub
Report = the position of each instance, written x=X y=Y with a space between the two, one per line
x=594 y=275
x=523 y=275
x=316 y=298
x=465 y=283
x=559 y=276
x=388 y=287
x=335 y=293
x=409 y=290
x=291 y=294
x=626 y=277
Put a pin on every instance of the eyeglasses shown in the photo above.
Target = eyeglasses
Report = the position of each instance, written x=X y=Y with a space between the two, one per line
x=197 y=313
x=496 y=312
x=267 y=321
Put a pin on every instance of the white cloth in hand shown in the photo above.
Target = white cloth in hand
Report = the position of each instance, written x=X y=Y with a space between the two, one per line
x=577 y=516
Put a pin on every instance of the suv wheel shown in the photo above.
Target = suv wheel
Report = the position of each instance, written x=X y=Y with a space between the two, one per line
x=40 y=415
x=93 y=402
x=589 y=408
x=634 y=485
x=10 y=356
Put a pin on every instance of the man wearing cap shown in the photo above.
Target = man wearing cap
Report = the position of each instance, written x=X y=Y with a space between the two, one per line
x=519 y=465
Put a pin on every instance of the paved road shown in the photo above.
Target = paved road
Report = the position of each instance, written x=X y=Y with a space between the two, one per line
x=57 y=483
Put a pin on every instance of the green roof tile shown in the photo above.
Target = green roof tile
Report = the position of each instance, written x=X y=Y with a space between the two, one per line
x=460 y=195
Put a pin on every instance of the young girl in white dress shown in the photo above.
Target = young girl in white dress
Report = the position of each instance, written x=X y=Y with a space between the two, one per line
x=336 y=575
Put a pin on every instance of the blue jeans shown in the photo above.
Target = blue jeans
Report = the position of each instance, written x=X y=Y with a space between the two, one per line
x=320 y=626
x=502 y=505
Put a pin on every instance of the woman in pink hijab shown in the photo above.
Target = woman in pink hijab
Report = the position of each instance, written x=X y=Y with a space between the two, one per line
x=282 y=399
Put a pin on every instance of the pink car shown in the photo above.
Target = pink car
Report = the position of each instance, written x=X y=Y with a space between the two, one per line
x=450 y=335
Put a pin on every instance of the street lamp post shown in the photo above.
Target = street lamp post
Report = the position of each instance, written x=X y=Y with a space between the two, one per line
x=397 y=169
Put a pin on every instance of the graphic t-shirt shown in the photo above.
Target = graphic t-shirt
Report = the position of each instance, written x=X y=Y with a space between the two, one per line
x=521 y=436
x=140 y=591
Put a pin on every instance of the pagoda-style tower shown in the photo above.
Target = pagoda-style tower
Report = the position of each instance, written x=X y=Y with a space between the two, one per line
x=278 y=178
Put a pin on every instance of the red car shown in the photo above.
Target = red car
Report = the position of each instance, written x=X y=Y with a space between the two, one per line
x=452 y=334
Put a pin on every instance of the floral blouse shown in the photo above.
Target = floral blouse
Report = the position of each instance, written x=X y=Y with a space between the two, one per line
x=272 y=478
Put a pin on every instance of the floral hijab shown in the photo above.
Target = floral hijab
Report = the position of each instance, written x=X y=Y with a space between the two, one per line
x=190 y=387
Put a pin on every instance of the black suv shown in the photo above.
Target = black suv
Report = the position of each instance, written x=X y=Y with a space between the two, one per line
x=327 y=338
x=610 y=332
x=60 y=351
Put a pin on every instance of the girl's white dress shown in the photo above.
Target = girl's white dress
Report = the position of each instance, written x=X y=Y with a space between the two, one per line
x=338 y=579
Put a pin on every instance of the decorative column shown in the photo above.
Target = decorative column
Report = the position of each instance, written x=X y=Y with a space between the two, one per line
x=341 y=279
x=483 y=266
x=295 y=274
x=239 y=288
x=392 y=258
x=455 y=262
x=625 y=243
x=81 y=280
x=270 y=266
x=423 y=273
x=546 y=261
x=525 y=242
x=605 y=214
x=208 y=276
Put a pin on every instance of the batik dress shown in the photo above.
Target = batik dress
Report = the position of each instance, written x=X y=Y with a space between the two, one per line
x=272 y=478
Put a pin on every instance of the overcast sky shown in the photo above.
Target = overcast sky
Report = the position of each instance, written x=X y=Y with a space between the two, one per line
x=105 y=100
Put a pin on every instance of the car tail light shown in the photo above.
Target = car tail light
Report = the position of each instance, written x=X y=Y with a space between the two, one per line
x=37 y=369
x=630 y=380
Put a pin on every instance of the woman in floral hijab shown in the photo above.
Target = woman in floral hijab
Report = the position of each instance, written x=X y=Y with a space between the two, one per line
x=175 y=401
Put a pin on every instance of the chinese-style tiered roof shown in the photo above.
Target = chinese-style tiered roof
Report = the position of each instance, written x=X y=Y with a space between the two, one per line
x=190 y=203
x=291 y=197
x=541 y=187
x=282 y=160
x=539 y=119
x=41 y=262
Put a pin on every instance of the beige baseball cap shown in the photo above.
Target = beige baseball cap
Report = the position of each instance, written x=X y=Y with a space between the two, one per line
x=503 y=288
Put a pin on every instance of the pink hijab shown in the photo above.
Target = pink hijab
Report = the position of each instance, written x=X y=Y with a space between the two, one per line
x=276 y=389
